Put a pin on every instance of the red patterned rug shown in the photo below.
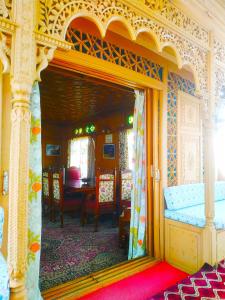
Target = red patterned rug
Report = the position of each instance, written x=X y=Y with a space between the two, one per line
x=75 y=251
x=208 y=283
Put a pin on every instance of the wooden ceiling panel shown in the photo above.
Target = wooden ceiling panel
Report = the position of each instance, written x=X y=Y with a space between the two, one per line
x=68 y=97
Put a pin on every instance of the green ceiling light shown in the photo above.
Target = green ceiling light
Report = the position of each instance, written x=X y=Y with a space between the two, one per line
x=80 y=130
x=76 y=131
x=92 y=128
x=130 y=119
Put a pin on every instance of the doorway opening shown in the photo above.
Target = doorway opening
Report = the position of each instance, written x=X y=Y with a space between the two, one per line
x=87 y=147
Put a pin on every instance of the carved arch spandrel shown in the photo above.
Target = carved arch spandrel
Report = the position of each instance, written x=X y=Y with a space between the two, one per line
x=55 y=17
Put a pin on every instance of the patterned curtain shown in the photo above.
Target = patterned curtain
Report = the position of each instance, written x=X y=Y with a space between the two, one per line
x=123 y=150
x=34 y=204
x=91 y=158
x=138 y=195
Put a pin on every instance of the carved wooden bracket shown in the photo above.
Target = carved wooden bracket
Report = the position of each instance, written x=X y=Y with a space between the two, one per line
x=44 y=56
x=4 y=53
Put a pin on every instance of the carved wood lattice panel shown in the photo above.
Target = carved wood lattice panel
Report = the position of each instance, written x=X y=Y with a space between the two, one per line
x=94 y=46
x=189 y=139
x=175 y=83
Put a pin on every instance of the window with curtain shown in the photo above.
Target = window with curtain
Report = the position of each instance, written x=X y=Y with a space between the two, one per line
x=78 y=155
x=126 y=145
x=130 y=145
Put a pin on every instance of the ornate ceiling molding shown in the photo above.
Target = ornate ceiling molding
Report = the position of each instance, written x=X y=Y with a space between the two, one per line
x=51 y=41
x=7 y=26
x=170 y=13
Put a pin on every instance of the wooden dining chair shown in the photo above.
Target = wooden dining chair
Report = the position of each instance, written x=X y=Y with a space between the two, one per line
x=124 y=228
x=47 y=192
x=104 y=200
x=63 y=202
x=126 y=185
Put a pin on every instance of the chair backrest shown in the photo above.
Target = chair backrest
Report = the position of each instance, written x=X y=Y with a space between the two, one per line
x=73 y=173
x=47 y=184
x=106 y=187
x=126 y=184
x=57 y=187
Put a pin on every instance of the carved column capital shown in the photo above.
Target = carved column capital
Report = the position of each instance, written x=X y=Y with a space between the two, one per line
x=21 y=90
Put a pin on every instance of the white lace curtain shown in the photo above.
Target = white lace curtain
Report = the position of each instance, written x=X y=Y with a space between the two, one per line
x=123 y=150
x=91 y=158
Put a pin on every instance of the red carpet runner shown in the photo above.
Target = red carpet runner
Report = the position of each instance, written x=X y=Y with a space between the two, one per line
x=140 y=286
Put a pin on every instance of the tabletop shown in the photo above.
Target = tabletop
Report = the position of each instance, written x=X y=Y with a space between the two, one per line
x=79 y=186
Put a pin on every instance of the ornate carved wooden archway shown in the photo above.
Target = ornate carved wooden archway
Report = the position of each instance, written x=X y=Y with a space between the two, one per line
x=55 y=18
x=33 y=48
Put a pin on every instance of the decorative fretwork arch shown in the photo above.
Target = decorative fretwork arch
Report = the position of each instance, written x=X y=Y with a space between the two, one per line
x=55 y=17
x=99 y=48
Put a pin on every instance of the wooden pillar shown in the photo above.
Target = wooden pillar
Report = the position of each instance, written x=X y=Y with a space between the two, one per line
x=209 y=233
x=18 y=197
x=22 y=74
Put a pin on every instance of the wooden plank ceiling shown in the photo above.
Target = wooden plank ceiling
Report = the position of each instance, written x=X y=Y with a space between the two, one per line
x=70 y=98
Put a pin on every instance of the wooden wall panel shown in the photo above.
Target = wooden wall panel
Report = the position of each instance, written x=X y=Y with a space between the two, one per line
x=52 y=134
x=183 y=246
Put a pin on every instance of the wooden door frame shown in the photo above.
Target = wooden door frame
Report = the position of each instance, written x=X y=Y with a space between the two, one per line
x=94 y=67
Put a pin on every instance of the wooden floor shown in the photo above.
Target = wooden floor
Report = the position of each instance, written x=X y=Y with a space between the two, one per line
x=81 y=286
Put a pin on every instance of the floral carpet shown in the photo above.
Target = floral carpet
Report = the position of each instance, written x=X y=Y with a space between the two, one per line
x=75 y=251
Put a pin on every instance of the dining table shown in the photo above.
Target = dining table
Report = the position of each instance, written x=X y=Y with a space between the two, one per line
x=85 y=189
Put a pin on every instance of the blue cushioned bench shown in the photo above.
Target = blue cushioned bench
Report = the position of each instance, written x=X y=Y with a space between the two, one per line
x=185 y=203
x=4 y=277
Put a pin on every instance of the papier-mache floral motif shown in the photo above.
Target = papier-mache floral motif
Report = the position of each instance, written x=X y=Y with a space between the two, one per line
x=34 y=204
